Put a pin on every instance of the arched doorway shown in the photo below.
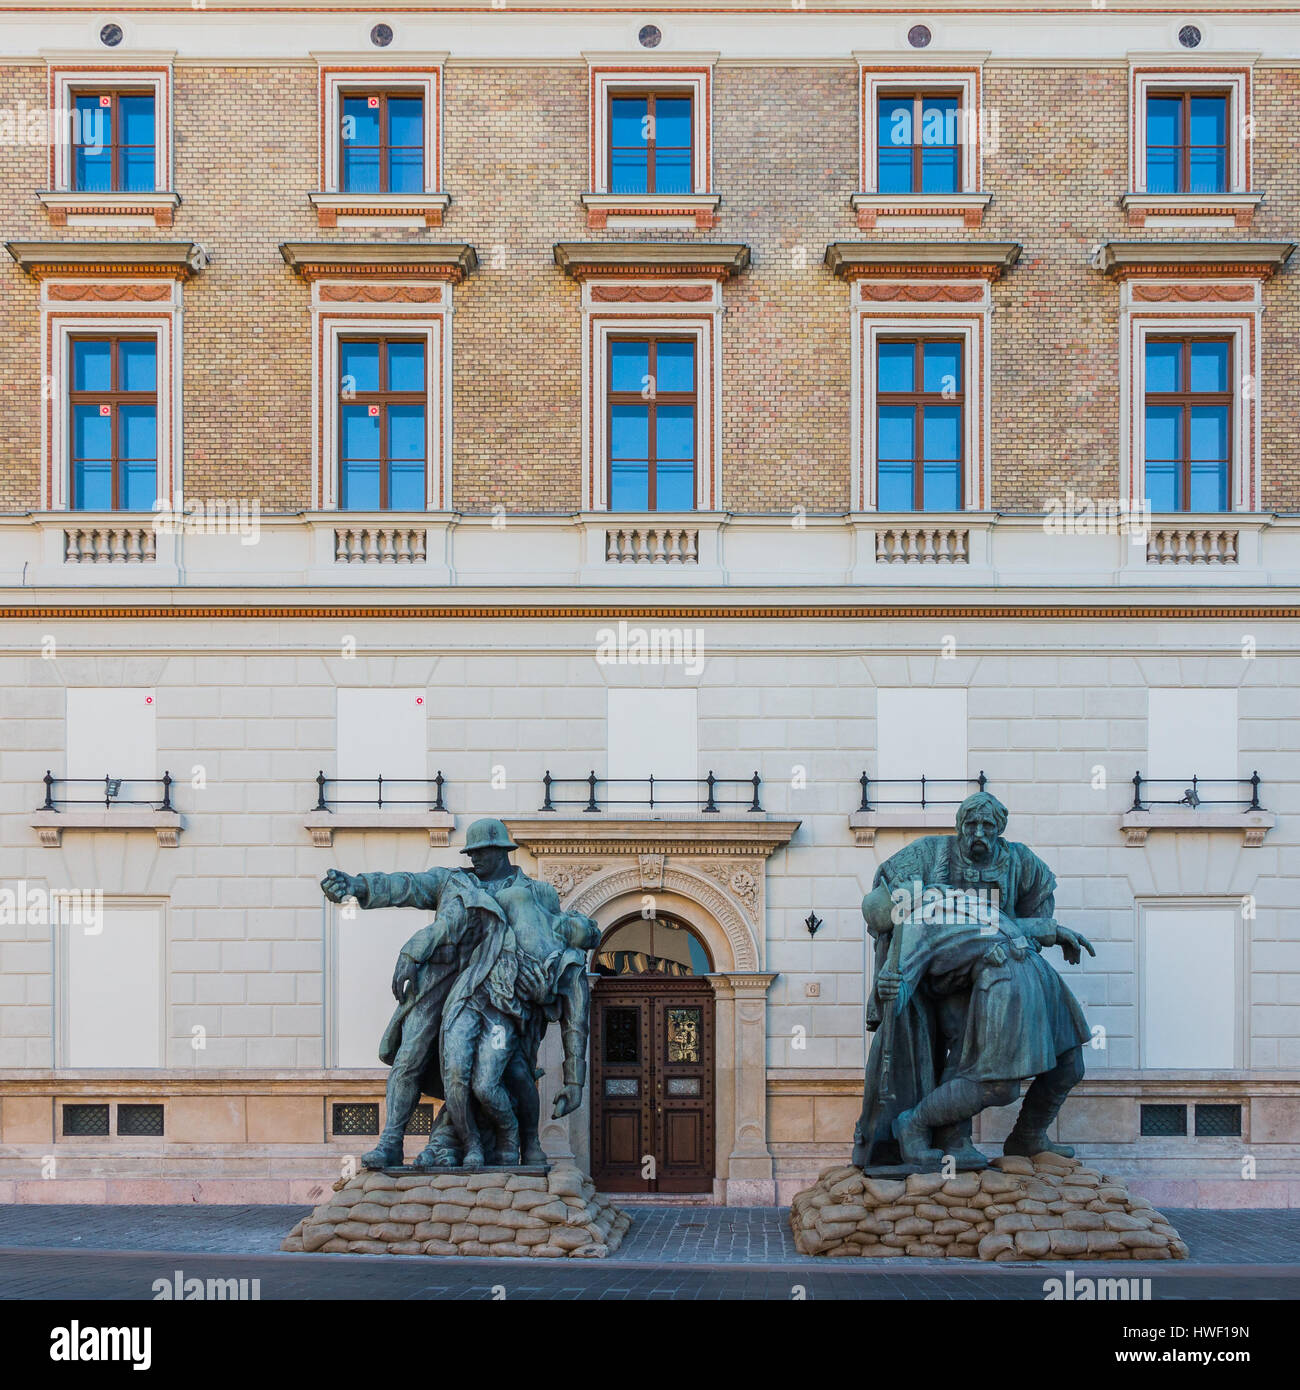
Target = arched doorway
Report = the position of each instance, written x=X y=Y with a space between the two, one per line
x=652 y=1053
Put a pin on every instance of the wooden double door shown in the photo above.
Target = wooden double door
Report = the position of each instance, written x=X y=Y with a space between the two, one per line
x=652 y=1094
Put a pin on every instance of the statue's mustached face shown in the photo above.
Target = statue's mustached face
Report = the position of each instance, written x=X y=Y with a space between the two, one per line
x=979 y=834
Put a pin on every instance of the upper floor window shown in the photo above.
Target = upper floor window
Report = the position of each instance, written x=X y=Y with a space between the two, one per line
x=652 y=400
x=114 y=425
x=1186 y=141
x=918 y=142
x=651 y=142
x=383 y=431
x=381 y=142
x=920 y=400
x=114 y=147
x=1188 y=430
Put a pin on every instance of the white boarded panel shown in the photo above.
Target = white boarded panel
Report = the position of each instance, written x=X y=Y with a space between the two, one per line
x=114 y=997
x=382 y=732
x=1192 y=732
x=368 y=944
x=653 y=733
x=921 y=731
x=1189 y=987
x=113 y=733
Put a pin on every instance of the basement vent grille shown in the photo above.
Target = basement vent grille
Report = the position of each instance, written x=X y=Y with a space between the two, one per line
x=85 y=1119
x=140 y=1121
x=1164 y=1121
x=1218 y=1121
x=354 y=1118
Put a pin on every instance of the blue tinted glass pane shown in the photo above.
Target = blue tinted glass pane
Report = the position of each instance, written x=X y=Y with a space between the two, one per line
x=406 y=432
x=1209 y=432
x=1209 y=366
x=137 y=431
x=360 y=362
x=360 y=487
x=92 y=433
x=1209 y=120
x=91 y=366
x=628 y=121
x=360 y=170
x=92 y=173
x=139 y=487
x=137 y=364
x=406 y=487
x=406 y=121
x=1164 y=425
x=629 y=487
x=1164 y=119
x=675 y=367
x=629 y=171
x=630 y=432
x=675 y=487
x=894 y=122
x=940 y=171
x=94 y=123
x=360 y=122
x=629 y=366
x=93 y=485
x=895 y=366
x=406 y=366
x=1162 y=171
x=942 y=367
x=896 y=432
x=1163 y=480
x=406 y=171
x=1164 y=366
x=939 y=121
x=135 y=116
x=940 y=489
x=1208 y=171
x=359 y=433
x=1209 y=487
x=138 y=169
x=942 y=432
x=895 y=487
x=673 y=121
x=672 y=171
x=896 y=171
x=675 y=432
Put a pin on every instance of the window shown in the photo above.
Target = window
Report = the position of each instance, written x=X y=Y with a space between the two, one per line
x=112 y=992
x=918 y=142
x=114 y=143
x=1190 y=733
x=114 y=422
x=650 y=142
x=382 y=424
x=1189 y=985
x=1187 y=421
x=651 y=425
x=381 y=142
x=920 y=401
x=1186 y=142
x=921 y=732
x=651 y=733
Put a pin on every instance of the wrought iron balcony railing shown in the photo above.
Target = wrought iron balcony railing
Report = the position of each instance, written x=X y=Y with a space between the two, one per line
x=1192 y=792
x=110 y=793
x=870 y=802
x=709 y=802
x=433 y=800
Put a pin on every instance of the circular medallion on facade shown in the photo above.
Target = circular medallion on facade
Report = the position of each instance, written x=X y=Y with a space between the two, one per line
x=381 y=35
x=1189 y=36
x=919 y=36
x=650 y=36
x=111 y=35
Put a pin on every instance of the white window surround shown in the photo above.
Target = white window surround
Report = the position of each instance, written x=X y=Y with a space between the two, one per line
x=423 y=77
x=332 y=319
x=134 y=70
x=907 y=312
x=686 y=307
x=1148 y=75
x=1140 y=318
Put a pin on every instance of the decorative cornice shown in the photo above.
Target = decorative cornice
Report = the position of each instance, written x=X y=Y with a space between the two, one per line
x=1122 y=259
x=318 y=260
x=754 y=836
x=852 y=260
x=177 y=260
x=428 y=206
x=584 y=259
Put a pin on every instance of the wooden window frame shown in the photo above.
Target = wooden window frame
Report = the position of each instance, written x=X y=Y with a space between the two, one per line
x=383 y=398
x=114 y=146
x=1188 y=398
x=650 y=96
x=1184 y=146
x=384 y=148
x=919 y=400
x=918 y=97
x=114 y=398
x=613 y=398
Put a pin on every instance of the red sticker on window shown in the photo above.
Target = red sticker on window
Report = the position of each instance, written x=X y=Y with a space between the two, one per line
x=372 y=103
x=148 y=699
x=105 y=410
x=106 y=101
x=419 y=699
x=373 y=410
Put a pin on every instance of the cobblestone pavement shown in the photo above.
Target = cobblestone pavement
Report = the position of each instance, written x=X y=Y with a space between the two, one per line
x=672 y=1252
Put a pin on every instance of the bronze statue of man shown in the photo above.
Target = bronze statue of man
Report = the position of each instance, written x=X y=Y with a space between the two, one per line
x=964 y=1006
x=476 y=989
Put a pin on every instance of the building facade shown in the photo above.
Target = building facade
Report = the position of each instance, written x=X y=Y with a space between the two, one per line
x=712 y=440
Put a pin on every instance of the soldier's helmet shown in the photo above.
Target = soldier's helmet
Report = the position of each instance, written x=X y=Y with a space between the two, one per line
x=488 y=833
